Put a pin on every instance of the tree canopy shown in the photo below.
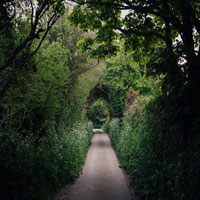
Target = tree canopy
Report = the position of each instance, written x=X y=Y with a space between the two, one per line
x=37 y=17
x=164 y=32
x=146 y=21
x=147 y=92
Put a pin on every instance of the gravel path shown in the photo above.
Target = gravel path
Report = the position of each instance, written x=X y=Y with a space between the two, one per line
x=101 y=178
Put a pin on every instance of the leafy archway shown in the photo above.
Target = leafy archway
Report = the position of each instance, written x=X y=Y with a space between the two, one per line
x=98 y=112
x=99 y=108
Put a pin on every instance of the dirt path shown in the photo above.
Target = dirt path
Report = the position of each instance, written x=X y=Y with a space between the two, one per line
x=101 y=178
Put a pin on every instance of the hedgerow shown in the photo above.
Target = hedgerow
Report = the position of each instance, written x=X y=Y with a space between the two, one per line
x=162 y=165
x=32 y=168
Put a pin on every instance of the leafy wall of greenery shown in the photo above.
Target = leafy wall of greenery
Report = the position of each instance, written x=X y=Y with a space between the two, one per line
x=33 y=168
x=123 y=73
x=85 y=84
x=160 y=164
x=42 y=146
x=148 y=139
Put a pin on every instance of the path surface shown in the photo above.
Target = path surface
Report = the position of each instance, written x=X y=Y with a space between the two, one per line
x=101 y=179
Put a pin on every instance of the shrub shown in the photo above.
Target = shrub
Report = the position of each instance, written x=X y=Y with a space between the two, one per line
x=162 y=164
x=32 y=168
x=105 y=126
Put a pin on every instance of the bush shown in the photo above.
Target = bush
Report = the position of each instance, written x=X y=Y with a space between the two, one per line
x=162 y=164
x=105 y=126
x=32 y=168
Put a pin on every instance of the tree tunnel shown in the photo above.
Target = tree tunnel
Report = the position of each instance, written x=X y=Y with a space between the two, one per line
x=99 y=108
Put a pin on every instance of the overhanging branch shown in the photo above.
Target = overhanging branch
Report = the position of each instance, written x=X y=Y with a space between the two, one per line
x=101 y=3
x=140 y=33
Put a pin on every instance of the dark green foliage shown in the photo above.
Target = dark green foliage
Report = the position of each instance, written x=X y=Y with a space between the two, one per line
x=41 y=146
x=162 y=164
x=23 y=22
x=32 y=167
x=151 y=140
x=34 y=100
x=43 y=93
x=164 y=32
x=98 y=112
x=105 y=126
x=122 y=73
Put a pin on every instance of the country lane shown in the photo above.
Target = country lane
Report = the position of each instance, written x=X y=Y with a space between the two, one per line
x=101 y=178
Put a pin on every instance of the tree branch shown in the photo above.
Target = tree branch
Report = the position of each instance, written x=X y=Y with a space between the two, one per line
x=168 y=36
x=31 y=36
x=196 y=21
x=99 y=3
x=173 y=19
x=145 y=34
x=50 y=23
x=32 y=12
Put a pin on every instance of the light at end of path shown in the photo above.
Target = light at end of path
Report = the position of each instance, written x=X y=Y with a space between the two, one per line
x=98 y=131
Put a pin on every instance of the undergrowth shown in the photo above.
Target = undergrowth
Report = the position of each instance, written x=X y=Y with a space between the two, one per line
x=32 y=168
x=163 y=165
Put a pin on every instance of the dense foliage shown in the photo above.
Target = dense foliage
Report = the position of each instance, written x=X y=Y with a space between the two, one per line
x=162 y=165
x=166 y=32
x=159 y=138
x=98 y=112
x=33 y=172
x=85 y=84
x=22 y=22
x=121 y=74
x=151 y=89
x=42 y=146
